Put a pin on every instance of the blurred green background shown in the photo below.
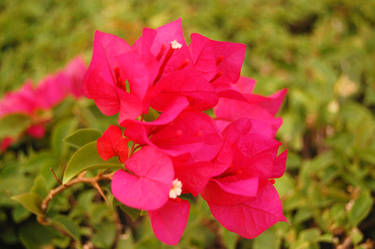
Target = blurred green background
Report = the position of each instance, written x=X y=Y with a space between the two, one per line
x=323 y=51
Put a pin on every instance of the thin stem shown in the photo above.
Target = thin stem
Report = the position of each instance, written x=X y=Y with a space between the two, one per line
x=54 y=174
x=80 y=179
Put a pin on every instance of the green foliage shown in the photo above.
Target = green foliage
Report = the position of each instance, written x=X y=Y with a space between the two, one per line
x=13 y=124
x=82 y=137
x=322 y=52
x=30 y=201
x=131 y=212
x=360 y=209
x=69 y=226
x=87 y=158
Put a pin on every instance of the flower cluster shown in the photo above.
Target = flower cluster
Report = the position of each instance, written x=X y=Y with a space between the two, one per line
x=162 y=88
x=35 y=101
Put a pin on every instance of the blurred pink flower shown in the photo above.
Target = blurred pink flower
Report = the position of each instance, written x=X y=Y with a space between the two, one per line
x=33 y=101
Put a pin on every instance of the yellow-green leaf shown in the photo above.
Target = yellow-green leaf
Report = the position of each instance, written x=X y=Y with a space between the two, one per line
x=30 y=201
x=87 y=158
x=82 y=136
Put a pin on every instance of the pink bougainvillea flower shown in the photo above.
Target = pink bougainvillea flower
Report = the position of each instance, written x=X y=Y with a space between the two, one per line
x=112 y=143
x=127 y=80
x=139 y=131
x=34 y=101
x=103 y=81
x=167 y=46
x=194 y=175
x=169 y=221
x=160 y=86
x=252 y=157
x=252 y=217
x=236 y=91
x=219 y=61
x=188 y=83
x=244 y=184
x=261 y=154
x=253 y=106
x=191 y=132
x=146 y=181
x=56 y=87
x=119 y=76
x=52 y=90
x=75 y=71
x=20 y=101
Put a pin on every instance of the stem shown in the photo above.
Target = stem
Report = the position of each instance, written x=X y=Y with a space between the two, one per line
x=346 y=244
x=80 y=179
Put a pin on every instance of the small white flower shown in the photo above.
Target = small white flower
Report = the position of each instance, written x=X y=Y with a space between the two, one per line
x=176 y=45
x=176 y=189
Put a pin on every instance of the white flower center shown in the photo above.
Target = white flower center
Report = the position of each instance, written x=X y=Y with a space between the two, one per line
x=176 y=189
x=176 y=45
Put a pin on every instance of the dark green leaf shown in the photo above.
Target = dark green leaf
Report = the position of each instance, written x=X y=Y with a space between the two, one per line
x=87 y=158
x=82 y=136
x=30 y=230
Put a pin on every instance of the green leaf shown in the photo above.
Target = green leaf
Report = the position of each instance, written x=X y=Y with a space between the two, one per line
x=60 y=131
x=68 y=225
x=131 y=212
x=8 y=235
x=13 y=124
x=82 y=137
x=229 y=239
x=40 y=186
x=30 y=201
x=19 y=213
x=3 y=216
x=87 y=158
x=360 y=209
x=268 y=239
x=357 y=235
x=105 y=235
x=35 y=236
x=125 y=241
x=310 y=235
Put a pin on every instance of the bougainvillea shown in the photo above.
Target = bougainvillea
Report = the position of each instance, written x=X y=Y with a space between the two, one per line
x=161 y=89
x=35 y=101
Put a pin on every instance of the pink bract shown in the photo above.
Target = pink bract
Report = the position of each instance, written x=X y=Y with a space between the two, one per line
x=21 y=101
x=249 y=219
x=169 y=221
x=75 y=71
x=147 y=180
